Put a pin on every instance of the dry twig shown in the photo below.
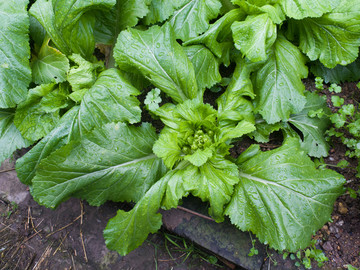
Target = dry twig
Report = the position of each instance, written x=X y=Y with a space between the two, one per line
x=7 y=170
x=45 y=254
x=27 y=239
x=62 y=228
x=83 y=245
x=62 y=240
x=72 y=258
x=194 y=213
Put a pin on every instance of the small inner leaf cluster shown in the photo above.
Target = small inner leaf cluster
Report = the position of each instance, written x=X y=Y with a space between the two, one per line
x=201 y=139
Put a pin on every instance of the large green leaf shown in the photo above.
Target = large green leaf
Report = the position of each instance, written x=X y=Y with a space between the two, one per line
x=232 y=105
x=15 y=73
x=37 y=33
x=156 y=54
x=242 y=128
x=218 y=37
x=212 y=182
x=205 y=64
x=263 y=129
x=313 y=129
x=160 y=10
x=278 y=85
x=124 y=14
x=270 y=8
x=167 y=147
x=338 y=74
x=50 y=65
x=110 y=99
x=32 y=120
x=114 y=163
x=10 y=136
x=83 y=73
x=193 y=18
x=299 y=9
x=254 y=36
x=59 y=136
x=333 y=38
x=64 y=24
x=282 y=197
x=80 y=36
x=128 y=230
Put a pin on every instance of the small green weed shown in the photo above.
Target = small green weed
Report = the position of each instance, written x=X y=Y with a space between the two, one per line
x=306 y=256
x=353 y=193
x=183 y=246
x=346 y=122
x=12 y=207
x=350 y=267
x=319 y=83
x=253 y=250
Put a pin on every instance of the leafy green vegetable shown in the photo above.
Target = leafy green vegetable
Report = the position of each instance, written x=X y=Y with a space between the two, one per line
x=307 y=8
x=278 y=82
x=91 y=59
x=34 y=121
x=26 y=166
x=113 y=168
x=205 y=65
x=333 y=38
x=124 y=14
x=64 y=23
x=153 y=99
x=128 y=230
x=50 y=65
x=110 y=99
x=161 y=10
x=312 y=129
x=254 y=36
x=97 y=107
x=309 y=126
x=232 y=105
x=10 y=137
x=15 y=72
x=199 y=141
x=216 y=38
x=338 y=74
x=83 y=74
x=156 y=54
x=282 y=191
x=193 y=18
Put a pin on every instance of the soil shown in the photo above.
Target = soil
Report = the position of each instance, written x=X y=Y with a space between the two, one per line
x=33 y=237
x=340 y=239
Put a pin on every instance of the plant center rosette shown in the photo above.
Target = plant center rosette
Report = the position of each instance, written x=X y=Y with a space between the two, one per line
x=193 y=141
